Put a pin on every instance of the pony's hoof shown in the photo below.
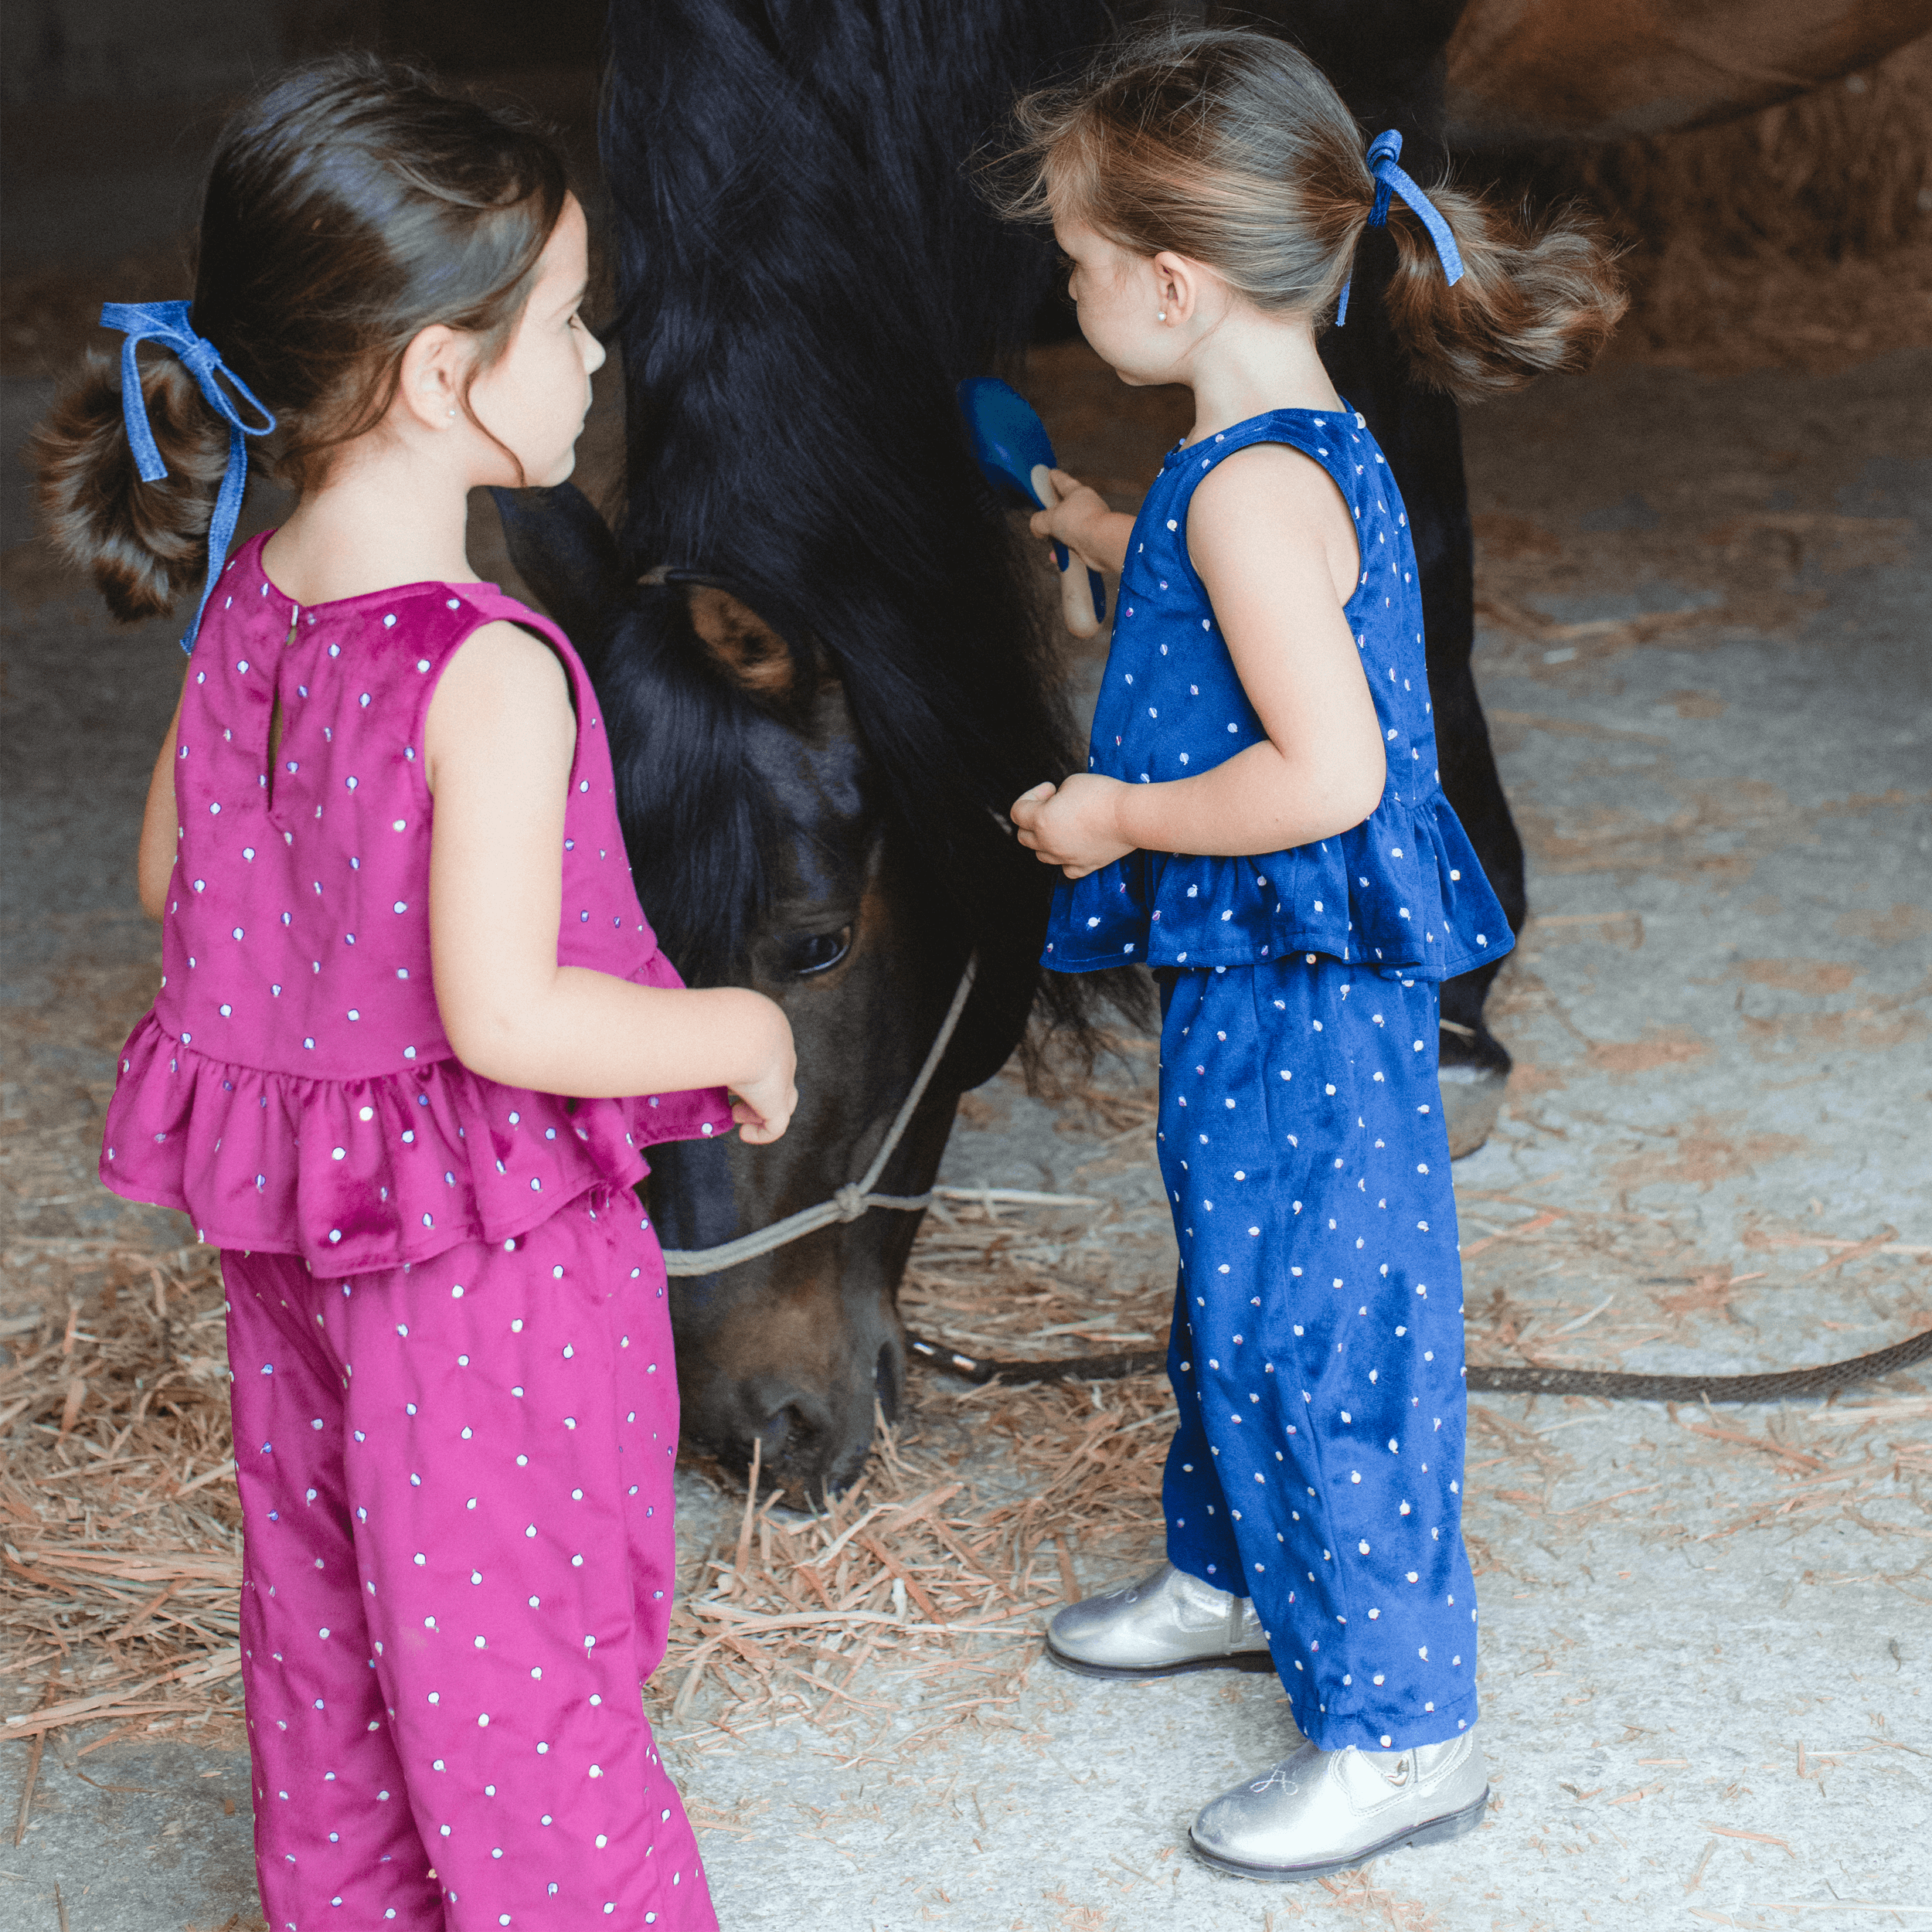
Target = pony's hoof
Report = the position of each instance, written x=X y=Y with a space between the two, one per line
x=1476 y=1076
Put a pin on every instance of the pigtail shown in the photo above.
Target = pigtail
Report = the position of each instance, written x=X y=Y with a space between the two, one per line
x=141 y=542
x=1531 y=299
x=350 y=204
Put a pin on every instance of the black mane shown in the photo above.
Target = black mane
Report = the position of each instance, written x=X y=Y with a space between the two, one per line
x=804 y=270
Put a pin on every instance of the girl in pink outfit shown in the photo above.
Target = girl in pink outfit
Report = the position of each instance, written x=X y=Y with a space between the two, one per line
x=410 y=1005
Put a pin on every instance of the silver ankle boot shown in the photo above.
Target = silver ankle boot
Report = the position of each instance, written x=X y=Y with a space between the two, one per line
x=1321 y=1812
x=1166 y=1623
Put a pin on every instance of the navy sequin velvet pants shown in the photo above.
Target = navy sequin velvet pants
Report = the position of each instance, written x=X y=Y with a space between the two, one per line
x=1317 y=1347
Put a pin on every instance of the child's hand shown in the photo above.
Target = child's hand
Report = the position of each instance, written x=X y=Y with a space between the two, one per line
x=1082 y=520
x=762 y=1102
x=1075 y=826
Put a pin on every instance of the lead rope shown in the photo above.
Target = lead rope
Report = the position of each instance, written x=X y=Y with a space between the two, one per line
x=1614 y=1384
x=856 y=1198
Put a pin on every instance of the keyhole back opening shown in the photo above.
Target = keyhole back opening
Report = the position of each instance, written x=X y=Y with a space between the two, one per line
x=275 y=720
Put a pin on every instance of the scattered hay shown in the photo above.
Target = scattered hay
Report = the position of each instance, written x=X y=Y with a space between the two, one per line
x=984 y=1510
x=913 y=1604
x=985 y=1280
x=120 y=1527
x=1709 y=1476
x=937 y=1570
x=121 y=1558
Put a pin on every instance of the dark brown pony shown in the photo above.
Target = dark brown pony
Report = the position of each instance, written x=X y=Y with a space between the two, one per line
x=815 y=635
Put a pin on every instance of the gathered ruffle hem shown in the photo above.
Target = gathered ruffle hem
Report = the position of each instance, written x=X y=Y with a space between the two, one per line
x=356 y=1175
x=1403 y=891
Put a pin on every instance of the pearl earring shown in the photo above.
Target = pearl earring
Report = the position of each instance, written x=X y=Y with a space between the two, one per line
x=452 y=414
x=1163 y=314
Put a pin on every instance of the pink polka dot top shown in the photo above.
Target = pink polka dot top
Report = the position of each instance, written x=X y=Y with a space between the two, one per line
x=292 y=1089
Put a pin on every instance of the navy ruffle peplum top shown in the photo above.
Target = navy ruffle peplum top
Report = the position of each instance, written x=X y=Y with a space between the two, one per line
x=1402 y=891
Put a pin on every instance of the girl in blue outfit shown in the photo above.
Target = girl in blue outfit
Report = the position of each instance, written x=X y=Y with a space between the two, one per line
x=1261 y=822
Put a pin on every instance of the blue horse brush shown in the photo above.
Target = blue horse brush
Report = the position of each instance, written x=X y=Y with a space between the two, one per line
x=1011 y=445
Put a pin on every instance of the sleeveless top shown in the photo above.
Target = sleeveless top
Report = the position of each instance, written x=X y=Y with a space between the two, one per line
x=1403 y=889
x=292 y=1089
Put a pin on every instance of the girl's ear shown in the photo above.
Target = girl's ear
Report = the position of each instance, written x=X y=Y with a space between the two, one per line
x=1181 y=284
x=430 y=391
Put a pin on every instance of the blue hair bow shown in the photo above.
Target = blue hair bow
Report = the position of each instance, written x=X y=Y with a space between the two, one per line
x=168 y=324
x=1392 y=180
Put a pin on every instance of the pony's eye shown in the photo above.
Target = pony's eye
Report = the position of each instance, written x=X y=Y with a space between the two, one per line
x=809 y=953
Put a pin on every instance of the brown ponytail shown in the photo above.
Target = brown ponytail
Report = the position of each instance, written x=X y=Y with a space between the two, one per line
x=1231 y=148
x=350 y=205
x=143 y=541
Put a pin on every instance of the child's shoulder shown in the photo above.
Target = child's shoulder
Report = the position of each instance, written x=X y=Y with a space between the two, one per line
x=1309 y=453
x=1277 y=485
x=1268 y=473
x=512 y=675
x=504 y=660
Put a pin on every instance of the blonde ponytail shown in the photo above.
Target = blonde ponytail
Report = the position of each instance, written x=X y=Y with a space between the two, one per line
x=1531 y=300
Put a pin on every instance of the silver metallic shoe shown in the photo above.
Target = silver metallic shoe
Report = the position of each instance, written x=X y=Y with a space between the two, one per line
x=1166 y=1623
x=1321 y=1812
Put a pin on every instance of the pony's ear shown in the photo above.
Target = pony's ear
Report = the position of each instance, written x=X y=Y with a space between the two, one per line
x=565 y=552
x=741 y=641
x=736 y=639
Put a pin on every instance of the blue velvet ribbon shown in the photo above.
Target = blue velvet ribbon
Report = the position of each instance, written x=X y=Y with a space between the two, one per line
x=167 y=323
x=1391 y=179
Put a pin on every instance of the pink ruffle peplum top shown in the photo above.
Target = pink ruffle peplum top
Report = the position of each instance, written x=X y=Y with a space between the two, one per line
x=292 y=1089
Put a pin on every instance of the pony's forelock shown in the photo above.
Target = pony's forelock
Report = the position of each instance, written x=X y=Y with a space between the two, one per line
x=792 y=335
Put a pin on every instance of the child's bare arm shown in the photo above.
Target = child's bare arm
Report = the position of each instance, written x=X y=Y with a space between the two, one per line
x=155 y=861
x=1275 y=548
x=499 y=741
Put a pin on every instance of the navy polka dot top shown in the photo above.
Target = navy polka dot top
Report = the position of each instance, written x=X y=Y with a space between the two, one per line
x=1402 y=889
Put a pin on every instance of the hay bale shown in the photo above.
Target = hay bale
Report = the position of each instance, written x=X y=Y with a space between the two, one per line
x=1800 y=236
x=1844 y=170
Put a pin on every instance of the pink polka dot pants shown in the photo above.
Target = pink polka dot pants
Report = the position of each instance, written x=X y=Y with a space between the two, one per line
x=456 y=1487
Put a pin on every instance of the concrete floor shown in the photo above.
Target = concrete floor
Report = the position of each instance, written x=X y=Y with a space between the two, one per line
x=1707 y=1639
